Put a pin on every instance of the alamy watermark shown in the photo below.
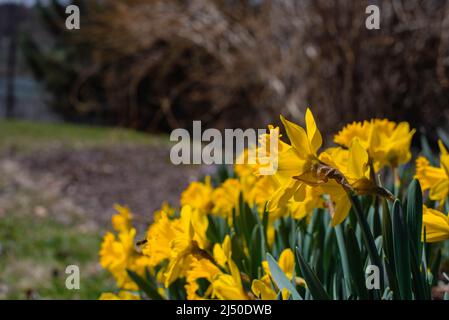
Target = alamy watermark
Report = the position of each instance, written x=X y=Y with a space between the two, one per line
x=72 y=282
x=372 y=280
x=225 y=148
x=73 y=20
x=372 y=22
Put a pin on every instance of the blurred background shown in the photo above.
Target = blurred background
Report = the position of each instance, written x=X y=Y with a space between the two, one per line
x=84 y=114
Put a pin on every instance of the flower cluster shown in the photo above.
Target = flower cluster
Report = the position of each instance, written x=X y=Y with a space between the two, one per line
x=220 y=241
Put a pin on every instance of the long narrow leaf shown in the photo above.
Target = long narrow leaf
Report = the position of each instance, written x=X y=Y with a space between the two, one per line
x=280 y=278
x=145 y=286
x=367 y=236
x=356 y=264
x=401 y=252
x=414 y=216
x=313 y=283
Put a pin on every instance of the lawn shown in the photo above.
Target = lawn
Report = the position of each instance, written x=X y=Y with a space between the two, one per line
x=23 y=135
x=41 y=233
x=35 y=252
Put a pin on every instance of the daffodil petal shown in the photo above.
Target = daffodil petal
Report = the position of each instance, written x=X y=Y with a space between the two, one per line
x=313 y=133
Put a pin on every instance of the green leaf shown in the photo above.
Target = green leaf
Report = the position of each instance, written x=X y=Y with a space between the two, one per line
x=265 y=222
x=313 y=283
x=419 y=277
x=280 y=278
x=414 y=216
x=356 y=264
x=388 y=294
x=238 y=255
x=257 y=248
x=427 y=151
x=387 y=237
x=328 y=254
x=443 y=136
x=387 y=232
x=367 y=236
x=414 y=223
x=343 y=252
x=401 y=252
x=435 y=267
x=145 y=286
x=217 y=229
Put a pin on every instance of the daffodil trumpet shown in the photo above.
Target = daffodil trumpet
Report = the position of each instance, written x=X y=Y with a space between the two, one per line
x=326 y=172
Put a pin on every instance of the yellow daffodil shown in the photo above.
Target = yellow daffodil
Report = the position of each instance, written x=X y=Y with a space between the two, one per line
x=122 y=220
x=360 y=130
x=198 y=195
x=352 y=173
x=312 y=200
x=226 y=198
x=263 y=291
x=303 y=178
x=297 y=162
x=386 y=142
x=335 y=172
x=435 y=179
x=121 y=295
x=176 y=240
x=245 y=171
x=224 y=286
x=227 y=286
x=256 y=189
x=263 y=288
x=391 y=144
x=299 y=167
x=286 y=263
x=435 y=225
x=118 y=254
x=159 y=236
x=165 y=209
x=189 y=238
x=200 y=269
x=354 y=165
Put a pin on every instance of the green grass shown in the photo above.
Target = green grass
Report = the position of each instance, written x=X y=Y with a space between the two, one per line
x=36 y=249
x=35 y=252
x=25 y=135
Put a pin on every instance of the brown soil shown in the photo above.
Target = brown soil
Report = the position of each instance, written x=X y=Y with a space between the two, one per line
x=96 y=178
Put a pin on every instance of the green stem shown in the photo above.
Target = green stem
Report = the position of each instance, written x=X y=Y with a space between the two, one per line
x=367 y=236
x=397 y=181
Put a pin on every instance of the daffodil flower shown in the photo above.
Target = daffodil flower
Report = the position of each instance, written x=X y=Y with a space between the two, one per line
x=176 y=240
x=189 y=239
x=223 y=285
x=264 y=289
x=435 y=179
x=336 y=172
x=297 y=163
x=226 y=198
x=122 y=220
x=435 y=225
x=118 y=254
x=200 y=269
x=227 y=286
x=386 y=142
x=122 y=295
x=198 y=195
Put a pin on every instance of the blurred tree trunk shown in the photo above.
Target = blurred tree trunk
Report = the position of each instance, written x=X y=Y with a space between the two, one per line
x=11 y=60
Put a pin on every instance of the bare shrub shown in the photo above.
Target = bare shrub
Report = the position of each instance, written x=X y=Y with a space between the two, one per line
x=162 y=63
